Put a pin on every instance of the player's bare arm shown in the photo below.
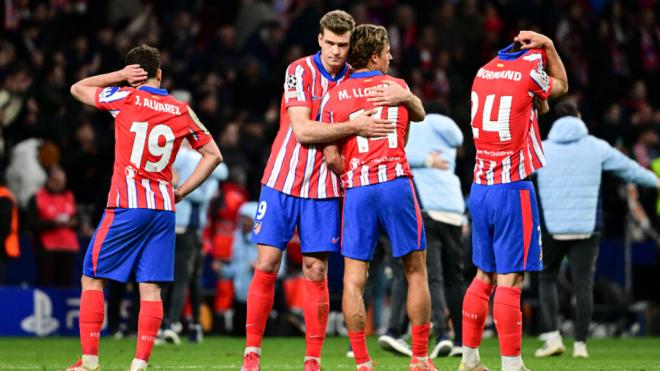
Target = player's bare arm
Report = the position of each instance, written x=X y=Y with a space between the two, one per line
x=211 y=158
x=85 y=89
x=393 y=94
x=333 y=158
x=556 y=70
x=308 y=131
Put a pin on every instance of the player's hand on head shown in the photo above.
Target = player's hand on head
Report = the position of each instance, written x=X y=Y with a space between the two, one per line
x=134 y=74
x=368 y=125
x=390 y=94
x=532 y=40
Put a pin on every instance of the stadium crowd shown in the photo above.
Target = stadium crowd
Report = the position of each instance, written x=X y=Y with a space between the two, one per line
x=227 y=58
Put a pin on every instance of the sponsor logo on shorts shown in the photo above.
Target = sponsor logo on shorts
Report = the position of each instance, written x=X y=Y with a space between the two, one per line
x=257 y=227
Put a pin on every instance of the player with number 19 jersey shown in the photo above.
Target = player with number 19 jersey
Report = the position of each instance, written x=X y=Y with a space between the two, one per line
x=377 y=177
x=137 y=228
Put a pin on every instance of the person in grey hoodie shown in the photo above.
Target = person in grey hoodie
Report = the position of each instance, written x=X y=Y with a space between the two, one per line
x=568 y=188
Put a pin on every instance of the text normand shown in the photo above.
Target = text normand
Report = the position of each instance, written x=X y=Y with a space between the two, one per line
x=499 y=75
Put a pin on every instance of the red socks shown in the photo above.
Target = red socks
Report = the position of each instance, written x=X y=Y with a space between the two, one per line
x=475 y=311
x=508 y=320
x=420 y=340
x=151 y=315
x=91 y=321
x=317 y=305
x=260 y=302
x=358 y=341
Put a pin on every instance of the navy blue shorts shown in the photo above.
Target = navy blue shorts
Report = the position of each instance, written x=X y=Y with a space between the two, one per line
x=278 y=215
x=127 y=241
x=506 y=235
x=391 y=206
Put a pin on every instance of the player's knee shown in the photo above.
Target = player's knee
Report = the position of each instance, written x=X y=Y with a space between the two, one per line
x=268 y=259
x=511 y=280
x=89 y=283
x=268 y=265
x=149 y=291
x=355 y=281
x=314 y=271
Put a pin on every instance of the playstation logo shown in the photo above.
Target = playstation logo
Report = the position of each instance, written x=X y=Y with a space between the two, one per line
x=41 y=322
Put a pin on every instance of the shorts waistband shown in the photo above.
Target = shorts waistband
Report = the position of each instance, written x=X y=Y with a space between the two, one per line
x=521 y=184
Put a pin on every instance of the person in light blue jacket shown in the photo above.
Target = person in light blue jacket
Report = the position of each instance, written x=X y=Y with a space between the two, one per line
x=568 y=188
x=191 y=217
x=431 y=153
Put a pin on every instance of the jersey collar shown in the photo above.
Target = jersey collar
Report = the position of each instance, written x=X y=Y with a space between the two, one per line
x=506 y=55
x=153 y=90
x=319 y=65
x=365 y=74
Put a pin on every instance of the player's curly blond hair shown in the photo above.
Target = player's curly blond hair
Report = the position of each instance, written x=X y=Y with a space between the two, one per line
x=337 y=21
x=366 y=40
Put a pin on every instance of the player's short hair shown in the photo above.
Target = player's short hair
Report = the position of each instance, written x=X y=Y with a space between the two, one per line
x=337 y=21
x=147 y=57
x=566 y=108
x=366 y=40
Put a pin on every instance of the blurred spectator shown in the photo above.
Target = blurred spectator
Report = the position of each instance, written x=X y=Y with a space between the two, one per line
x=241 y=267
x=191 y=217
x=8 y=227
x=52 y=217
x=568 y=190
x=24 y=173
x=431 y=152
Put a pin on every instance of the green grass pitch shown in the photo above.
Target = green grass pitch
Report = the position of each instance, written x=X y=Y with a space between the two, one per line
x=222 y=353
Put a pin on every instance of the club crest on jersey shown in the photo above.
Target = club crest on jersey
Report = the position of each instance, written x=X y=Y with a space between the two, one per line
x=257 y=227
x=291 y=81
x=540 y=77
x=354 y=163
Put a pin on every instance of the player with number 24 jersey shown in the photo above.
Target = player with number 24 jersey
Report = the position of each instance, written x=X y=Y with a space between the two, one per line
x=506 y=235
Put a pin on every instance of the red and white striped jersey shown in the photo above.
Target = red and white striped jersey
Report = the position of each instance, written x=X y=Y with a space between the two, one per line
x=368 y=160
x=294 y=168
x=149 y=128
x=504 y=119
